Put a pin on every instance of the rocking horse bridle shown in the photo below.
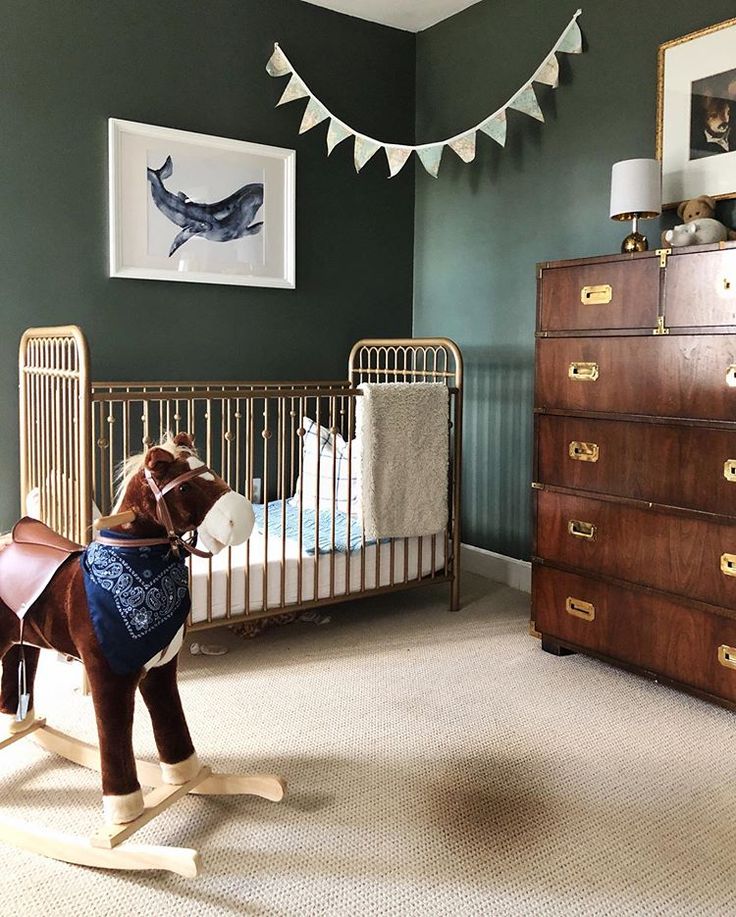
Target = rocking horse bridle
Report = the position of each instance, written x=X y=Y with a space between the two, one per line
x=173 y=538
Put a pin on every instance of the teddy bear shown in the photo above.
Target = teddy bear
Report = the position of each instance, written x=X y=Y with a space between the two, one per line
x=698 y=225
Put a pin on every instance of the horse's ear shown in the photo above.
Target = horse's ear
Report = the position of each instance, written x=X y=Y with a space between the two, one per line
x=184 y=440
x=158 y=456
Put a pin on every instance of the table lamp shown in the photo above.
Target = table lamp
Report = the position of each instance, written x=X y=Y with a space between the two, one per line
x=636 y=194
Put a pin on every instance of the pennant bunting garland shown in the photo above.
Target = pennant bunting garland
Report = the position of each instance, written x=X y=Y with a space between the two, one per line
x=571 y=41
x=336 y=133
x=464 y=147
x=295 y=89
x=364 y=149
x=526 y=101
x=397 y=156
x=430 y=158
x=549 y=72
x=495 y=127
x=314 y=114
x=278 y=65
x=430 y=154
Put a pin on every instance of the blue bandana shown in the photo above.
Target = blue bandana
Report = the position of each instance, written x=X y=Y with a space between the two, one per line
x=138 y=599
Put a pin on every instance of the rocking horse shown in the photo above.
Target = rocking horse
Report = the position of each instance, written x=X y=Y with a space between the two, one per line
x=120 y=606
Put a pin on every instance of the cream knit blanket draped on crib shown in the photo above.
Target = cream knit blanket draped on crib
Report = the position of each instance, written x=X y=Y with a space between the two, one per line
x=403 y=429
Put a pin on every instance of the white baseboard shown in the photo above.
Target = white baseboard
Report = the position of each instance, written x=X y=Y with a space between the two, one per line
x=497 y=567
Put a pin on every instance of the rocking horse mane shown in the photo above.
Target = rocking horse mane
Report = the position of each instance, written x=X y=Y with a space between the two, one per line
x=132 y=465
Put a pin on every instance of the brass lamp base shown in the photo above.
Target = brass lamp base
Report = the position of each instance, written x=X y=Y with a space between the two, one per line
x=634 y=242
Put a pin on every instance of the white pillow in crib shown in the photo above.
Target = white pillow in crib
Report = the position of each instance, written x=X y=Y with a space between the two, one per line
x=333 y=458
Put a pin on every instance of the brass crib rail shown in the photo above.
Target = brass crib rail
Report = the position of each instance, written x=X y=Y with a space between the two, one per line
x=55 y=423
x=423 y=360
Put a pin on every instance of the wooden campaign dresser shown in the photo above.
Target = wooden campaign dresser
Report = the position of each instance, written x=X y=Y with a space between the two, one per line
x=635 y=464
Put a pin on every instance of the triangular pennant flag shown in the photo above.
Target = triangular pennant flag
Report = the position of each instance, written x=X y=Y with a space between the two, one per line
x=278 y=65
x=295 y=89
x=364 y=149
x=336 y=133
x=572 y=41
x=314 y=114
x=526 y=102
x=397 y=156
x=549 y=72
x=495 y=127
x=430 y=157
x=464 y=146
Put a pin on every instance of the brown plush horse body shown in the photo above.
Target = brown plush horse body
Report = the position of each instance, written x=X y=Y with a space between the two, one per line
x=171 y=493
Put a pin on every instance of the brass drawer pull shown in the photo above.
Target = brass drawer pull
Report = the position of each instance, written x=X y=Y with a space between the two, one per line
x=731 y=376
x=728 y=564
x=596 y=295
x=588 y=372
x=580 y=609
x=727 y=656
x=585 y=530
x=729 y=470
x=583 y=452
x=728 y=287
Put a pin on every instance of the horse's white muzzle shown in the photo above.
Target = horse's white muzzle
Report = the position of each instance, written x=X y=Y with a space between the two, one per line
x=229 y=522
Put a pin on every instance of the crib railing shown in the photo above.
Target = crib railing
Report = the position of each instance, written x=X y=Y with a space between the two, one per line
x=246 y=432
x=55 y=424
x=75 y=434
x=423 y=360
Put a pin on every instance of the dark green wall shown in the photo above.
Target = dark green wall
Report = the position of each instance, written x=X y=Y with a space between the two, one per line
x=68 y=65
x=473 y=235
x=480 y=228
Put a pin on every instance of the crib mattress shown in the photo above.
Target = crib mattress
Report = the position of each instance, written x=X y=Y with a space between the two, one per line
x=272 y=568
x=221 y=583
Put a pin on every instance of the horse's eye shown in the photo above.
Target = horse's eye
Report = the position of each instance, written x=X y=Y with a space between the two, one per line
x=183 y=488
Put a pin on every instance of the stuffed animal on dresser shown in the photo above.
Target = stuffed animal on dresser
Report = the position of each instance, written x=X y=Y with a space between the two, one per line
x=696 y=232
x=699 y=226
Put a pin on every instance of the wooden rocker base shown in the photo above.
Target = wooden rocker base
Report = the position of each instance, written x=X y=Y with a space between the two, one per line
x=102 y=850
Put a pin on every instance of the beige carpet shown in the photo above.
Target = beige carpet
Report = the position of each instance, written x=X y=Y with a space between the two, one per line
x=439 y=765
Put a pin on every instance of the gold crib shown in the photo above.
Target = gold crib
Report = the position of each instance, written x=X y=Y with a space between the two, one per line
x=74 y=433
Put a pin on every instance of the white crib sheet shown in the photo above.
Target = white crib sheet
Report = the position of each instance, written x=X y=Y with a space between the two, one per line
x=213 y=580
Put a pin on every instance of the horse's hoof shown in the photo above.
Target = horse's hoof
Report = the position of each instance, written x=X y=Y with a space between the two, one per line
x=182 y=771
x=9 y=725
x=119 y=810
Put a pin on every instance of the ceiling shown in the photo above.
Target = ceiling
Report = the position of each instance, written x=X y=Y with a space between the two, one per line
x=410 y=15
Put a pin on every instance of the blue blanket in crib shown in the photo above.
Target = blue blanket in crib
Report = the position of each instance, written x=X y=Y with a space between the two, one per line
x=280 y=511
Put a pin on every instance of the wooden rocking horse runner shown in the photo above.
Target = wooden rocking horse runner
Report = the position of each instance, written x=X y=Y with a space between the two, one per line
x=99 y=607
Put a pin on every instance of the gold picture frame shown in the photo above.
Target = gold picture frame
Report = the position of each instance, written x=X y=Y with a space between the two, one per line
x=692 y=167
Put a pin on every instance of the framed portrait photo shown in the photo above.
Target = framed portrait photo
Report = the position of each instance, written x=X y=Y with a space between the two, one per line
x=197 y=208
x=696 y=114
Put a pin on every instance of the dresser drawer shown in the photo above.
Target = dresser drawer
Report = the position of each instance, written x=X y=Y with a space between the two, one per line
x=687 y=555
x=700 y=290
x=652 y=632
x=668 y=375
x=612 y=294
x=692 y=467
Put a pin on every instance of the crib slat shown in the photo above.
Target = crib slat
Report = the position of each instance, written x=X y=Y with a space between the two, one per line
x=265 y=434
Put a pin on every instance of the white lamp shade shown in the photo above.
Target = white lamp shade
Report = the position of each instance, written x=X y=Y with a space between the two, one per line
x=636 y=189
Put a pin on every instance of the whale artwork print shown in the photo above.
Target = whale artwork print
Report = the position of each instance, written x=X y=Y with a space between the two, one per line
x=196 y=208
x=234 y=217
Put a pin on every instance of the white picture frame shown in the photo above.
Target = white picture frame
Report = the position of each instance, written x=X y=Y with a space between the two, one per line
x=163 y=184
x=696 y=88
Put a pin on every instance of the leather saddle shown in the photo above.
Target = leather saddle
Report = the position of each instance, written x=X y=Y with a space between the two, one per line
x=30 y=561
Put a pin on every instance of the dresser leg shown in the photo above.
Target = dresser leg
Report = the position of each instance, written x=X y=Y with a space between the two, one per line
x=550 y=645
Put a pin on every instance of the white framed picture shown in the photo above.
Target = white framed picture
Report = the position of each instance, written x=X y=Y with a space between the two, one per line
x=696 y=114
x=197 y=208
